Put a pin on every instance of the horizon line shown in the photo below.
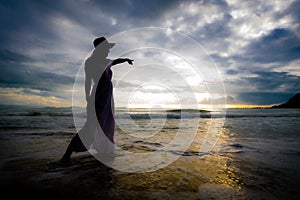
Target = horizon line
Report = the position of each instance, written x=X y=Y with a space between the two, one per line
x=228 y=106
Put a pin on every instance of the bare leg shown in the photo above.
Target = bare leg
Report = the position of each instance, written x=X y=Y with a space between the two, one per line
x=75 y=145
x=67 y=155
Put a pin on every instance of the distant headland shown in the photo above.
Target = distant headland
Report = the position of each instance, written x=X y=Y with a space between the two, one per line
x=293 y=102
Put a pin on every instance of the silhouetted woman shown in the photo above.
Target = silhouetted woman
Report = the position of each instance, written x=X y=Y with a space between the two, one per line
x=98 y=130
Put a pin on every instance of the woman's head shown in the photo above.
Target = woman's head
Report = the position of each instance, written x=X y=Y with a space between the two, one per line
x=102 y=47
x=104 y=43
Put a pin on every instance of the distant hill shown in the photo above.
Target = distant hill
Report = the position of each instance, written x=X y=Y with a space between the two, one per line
x=293 y=102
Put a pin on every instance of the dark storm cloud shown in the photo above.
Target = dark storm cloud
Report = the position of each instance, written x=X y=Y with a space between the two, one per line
x=274 y=81
x=280 y=45
x=215 y=30
x=34 y=16
x=274 y=50
x=37 y=92
x=266 y=88
x=278 y=48
x=137 y=9
x=231 y=72
x=293 y=10
x=16 y=71
x=24 y=19
x=28 y=25
x=9 y=56
x=264 y=98
x=22 y=77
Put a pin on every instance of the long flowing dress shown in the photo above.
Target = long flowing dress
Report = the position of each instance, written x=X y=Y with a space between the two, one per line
x=104 y=105
x=100 y=116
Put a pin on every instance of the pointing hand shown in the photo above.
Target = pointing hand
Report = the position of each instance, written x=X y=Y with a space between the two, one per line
x=130 y=61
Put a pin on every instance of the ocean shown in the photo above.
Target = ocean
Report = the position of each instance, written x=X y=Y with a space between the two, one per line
x=248 y=154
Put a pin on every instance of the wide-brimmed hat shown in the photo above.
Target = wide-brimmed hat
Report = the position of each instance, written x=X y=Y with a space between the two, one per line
x=103 y=41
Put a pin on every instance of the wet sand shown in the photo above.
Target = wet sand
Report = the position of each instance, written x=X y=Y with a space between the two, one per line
x=87 y=178
x=29 y=168
x=44 y=179
x=256 y=157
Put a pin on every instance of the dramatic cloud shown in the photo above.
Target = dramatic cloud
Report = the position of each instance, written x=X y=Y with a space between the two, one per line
x=279 y=46
x=255 y=44
x=264 y=98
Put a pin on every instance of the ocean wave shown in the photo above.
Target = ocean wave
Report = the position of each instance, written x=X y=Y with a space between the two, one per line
x=37 y=114
x=170 y=114
x=40 y=133
x=261 y=115
x=192 y=115
x=155 y=116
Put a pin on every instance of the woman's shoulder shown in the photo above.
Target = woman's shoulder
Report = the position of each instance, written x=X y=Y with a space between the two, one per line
x=88 y=61
x=92 y=64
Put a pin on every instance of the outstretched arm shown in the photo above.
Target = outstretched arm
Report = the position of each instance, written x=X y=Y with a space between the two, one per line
x=122 y=60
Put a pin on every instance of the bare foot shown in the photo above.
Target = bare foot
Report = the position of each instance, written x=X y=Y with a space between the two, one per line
x=65 y=161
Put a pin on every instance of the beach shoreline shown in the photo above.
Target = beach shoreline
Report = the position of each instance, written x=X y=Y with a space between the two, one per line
x=37 y=174
x=36 y=177
x=256 y=157
x=46 y=179
x=210 y=177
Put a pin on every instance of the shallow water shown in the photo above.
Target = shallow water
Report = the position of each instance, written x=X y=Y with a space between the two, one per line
x=256 y=155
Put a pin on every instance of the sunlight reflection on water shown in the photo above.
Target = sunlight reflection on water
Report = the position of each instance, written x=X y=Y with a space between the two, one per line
x=191 y=173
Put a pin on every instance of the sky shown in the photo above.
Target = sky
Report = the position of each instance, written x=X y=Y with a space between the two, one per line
x=253 y=48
